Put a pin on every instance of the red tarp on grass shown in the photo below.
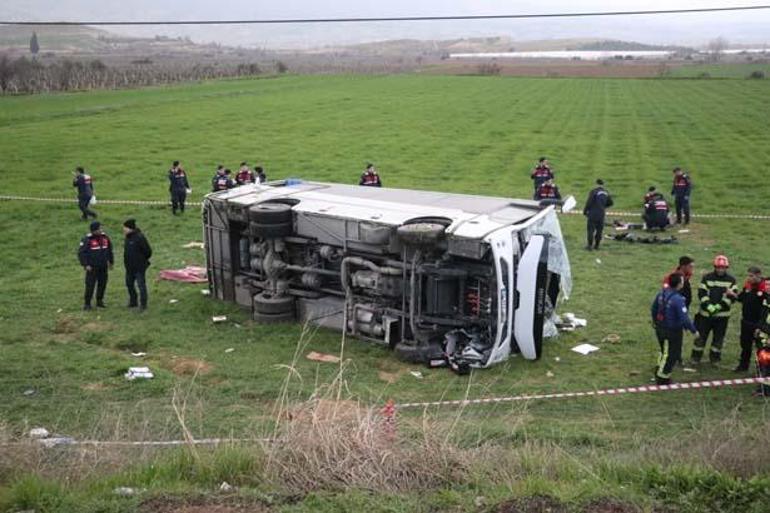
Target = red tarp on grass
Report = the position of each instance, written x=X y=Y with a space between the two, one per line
x=190 y=274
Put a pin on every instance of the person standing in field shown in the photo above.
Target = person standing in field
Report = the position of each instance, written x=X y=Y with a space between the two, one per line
x=686 y=268
x=669 y=317
x=753 y=297
x=716 y=293
x=595 y=210
x=245 y=175
x=681 y=192
x=541 y=173
x=95 y=255
x=178 y=186
x=136 y=260
x=370 y=178
x=85 y=186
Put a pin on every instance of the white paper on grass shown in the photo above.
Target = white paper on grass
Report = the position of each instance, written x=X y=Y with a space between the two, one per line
x=139 y=372
x=585 y=349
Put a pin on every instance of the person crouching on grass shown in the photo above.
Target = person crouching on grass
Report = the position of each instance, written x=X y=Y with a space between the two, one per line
x=669 y=318
x=136 y=258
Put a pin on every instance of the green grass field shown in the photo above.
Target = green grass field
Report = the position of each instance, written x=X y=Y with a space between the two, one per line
x=462 y=134
x=721 y=70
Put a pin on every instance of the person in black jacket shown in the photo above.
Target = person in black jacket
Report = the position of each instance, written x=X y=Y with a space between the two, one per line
x=681 y=190
x=85 y=186
x=95 y=255
x=596 y=205
x=136 y=258
x=178 y=186
x=753 y=297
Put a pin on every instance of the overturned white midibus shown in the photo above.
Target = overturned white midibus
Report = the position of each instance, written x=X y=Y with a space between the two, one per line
x=440 y=278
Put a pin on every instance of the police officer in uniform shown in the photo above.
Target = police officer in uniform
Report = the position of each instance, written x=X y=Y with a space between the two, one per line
x=95 y=255
x=596 y=206
x=85 y=186
x=370 y=178
x=178 y=186
x=549 y=192
x=245 y=175
x=669 y=317
x=655 y=210
x=716 y=294
x=681 y=192
x=541 y=173
x=221 y=182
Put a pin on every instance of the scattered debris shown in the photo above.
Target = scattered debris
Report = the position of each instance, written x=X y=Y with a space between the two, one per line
x=38 y=433
x=29 y=392
x=684 y=231
x=416 y=374
x=549 y=374
x=125 y=491
x=60 y=310
x=689 y=369
x=585 y=349
x=569 y=204
x=236 y=325
x=173 y=301
x=189 y=274
x=139 y=373
x=643 y=239
x=568 y=322
x=56 y=440
x=225 y=487
x=219 y=318
x=481 y=500
x=206 y=292
x=633 y=373
x=557 y=359
x=194 y=245
x=139 y=354
x=229 y=350
x=322 y=357
x=612 y=338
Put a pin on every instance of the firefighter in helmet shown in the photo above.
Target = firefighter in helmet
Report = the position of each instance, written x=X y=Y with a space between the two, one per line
x=716 y=294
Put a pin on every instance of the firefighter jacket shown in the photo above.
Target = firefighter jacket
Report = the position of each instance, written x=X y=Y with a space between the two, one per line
x=96 y=251
x=712 y=293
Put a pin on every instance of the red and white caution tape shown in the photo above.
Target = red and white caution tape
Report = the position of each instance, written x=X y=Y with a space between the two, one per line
x=612 y=213
x=592 y=393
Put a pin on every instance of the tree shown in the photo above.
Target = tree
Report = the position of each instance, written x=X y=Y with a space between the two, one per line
x=34 y=47
x=717 y=47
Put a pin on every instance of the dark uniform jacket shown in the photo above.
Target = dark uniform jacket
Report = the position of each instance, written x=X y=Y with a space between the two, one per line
x=95 y=250
x=84 y=184
x=221 y=183
x=753 y=297
x=713 y=291
x=541 y=174
x=136 y=252
x=669 y=311
x=370 y=179
x=547 y=191
x=682 y=186
x=598 y=202
x=245 y=176
x=178 y=180
x=656 y=209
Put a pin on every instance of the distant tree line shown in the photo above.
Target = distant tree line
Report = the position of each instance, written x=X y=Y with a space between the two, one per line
x=25 y=76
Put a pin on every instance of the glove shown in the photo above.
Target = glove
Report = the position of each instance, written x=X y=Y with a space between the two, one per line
x=712 y=309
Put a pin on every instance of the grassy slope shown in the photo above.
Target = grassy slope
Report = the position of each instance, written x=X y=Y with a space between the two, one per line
x=731 y=70
x=476 y=135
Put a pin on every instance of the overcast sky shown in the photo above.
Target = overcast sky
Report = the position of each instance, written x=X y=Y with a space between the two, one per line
x=691 y=29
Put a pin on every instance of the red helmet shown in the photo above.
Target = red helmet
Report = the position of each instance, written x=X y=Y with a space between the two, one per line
x=763 y=357
x=721 y=261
